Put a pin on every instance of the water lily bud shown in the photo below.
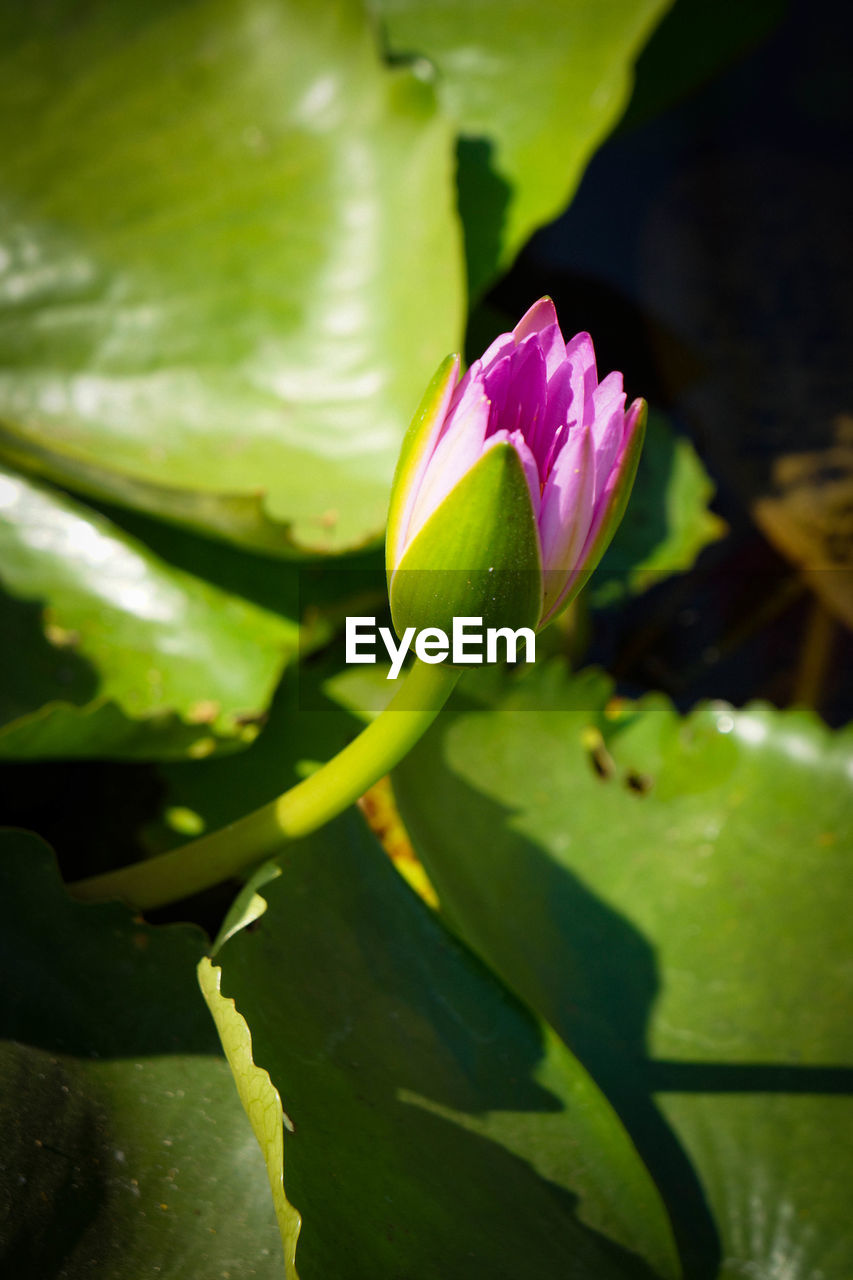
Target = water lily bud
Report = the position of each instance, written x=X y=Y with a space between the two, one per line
x=511 y=482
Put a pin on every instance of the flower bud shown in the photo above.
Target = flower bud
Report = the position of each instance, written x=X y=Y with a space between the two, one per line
x=511 y=482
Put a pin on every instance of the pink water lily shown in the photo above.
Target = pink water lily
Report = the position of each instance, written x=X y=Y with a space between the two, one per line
x=577 y=445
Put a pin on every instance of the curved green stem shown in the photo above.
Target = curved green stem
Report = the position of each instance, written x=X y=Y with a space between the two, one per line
x=307 y=806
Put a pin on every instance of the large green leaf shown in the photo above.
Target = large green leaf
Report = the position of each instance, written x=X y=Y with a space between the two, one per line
x=260 y=1100
x=115 y=651
x=435 y=1128
x=229 y=260
x=533 y=90
x=125 y=1152
x=667 y=522
x=304 y=729
x=673 y=896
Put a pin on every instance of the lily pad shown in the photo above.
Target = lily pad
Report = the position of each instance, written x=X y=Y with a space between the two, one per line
x=304 y=729
x=125 y=1151
x=260 y=1101
x=229 y=261
x=435 y=1129
x=117 y=652
x=671 y=895
x=533 y=90
x=668 y=521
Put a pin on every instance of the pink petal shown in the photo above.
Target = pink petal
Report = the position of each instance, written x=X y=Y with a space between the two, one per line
x=456 y=452
x=581 y=356
x=607 y=394
x=567 y=503
x=496 y=387
x=528 y=462
x=469 y=385
x=516 y=388
x=542 y=315
x=607 y=435
x=553 y=348
x=502 y=346
x=607 y=482
x=540 y=323
x=548 y=431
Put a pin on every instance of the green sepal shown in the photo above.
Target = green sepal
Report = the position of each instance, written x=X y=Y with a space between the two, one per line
x=619 y=496
x=477 y=555
x=433 y=406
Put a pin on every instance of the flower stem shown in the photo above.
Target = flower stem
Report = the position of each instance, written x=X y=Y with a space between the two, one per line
x=168 y=877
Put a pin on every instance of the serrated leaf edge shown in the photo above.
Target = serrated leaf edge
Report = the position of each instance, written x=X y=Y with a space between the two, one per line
x=261 y=1102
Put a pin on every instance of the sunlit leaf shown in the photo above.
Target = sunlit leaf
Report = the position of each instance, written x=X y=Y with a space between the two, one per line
x=229 y=260
x=115 y=651
x=260 y=1101
x=436 y=1129
x=671 y=895
x=532 y=89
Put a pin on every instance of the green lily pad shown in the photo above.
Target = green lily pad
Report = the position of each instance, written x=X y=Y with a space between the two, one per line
x=435 y=1129
x=260 y=1102
x=304 y=729
x=533 y=90
x=667 y=522
x=125 y=1151
x=229 y=261
x=672 y=896
x=117 y=652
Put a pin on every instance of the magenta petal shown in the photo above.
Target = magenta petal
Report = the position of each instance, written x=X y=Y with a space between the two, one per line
x=581 y=356
x=467 y=393
x=502 y=346
x=528 y=462
x=631 y=421
x=607 y=394
x=516 y=388
x=469 y=385
x=607 y=480
x=553 y=348
x=540 y=323
x=607 y=465
x=542 y=315
x=576 y=444
x=567 y=503
x=558 y=412
x=607 y=435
